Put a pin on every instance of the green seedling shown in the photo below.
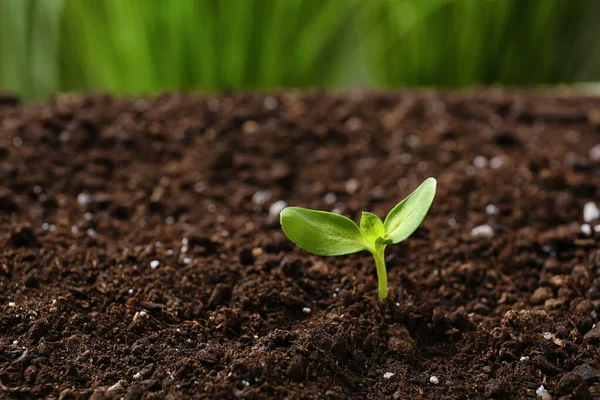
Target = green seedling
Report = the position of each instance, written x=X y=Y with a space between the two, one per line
x=328 y=234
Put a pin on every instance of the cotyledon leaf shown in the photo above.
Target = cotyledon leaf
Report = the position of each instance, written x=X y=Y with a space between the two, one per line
x=371 y=227
x=406 y=217
x=320 y=232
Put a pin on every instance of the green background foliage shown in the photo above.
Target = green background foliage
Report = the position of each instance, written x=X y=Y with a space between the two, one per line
x=145 y=46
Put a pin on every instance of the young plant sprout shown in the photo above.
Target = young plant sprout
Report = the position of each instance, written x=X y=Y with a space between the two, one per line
x=328 y=234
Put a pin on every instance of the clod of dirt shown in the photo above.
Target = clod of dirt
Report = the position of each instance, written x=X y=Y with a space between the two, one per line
x=8 y=204
x=541 y=294
x=220 y=295
x=593 y=336
x=23 y=237
x=497 y=389
x=586 y=372
x=572 y=384
x=37 y=330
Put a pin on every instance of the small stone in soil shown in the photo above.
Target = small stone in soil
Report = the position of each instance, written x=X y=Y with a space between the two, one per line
x=595 y=153
x=306 y=310
x=484 y=231
x=524 y=358
x=261 y=197
x=541 y=390
x=480 y=162
x=586 y=229
x=590 y=212
x=154 y=264
x=585 y=371
x=351 y=186
x=277 y=208
x=434 y=380
x=330 y=198
x=492 y=209
x=547 y=335
x=388 y=375
x=496 y=162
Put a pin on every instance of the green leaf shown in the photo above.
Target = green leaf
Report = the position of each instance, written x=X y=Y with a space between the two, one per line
x=371 y=227
x=322 y=233
x=406 y=217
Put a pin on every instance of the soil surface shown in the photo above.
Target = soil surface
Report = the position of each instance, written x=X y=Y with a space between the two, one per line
x=141 y=255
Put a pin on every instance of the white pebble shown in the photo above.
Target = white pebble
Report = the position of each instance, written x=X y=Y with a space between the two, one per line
x=45 y=226
x=586 y=229
x=88 y=216
x=12 y=304
x=595 y=152
x=547 y=335
x=261 y=197
x=524 y=358
x=137 y=375
x=306 y=310
x=339 y=208
x=480 y=162
x=15 y=342
x=484 y=231
x=270 y=103
x=64 y=136
x=590 y=212
x=130 y=291
x=84 y=199
x=412 y=141
x=143 y=313
x=277 y=208
x=154 y=264
x=74 y=229
x=199 y=187
x=496 y=162
x=330 y=198
x=597 y=228
x=351 y=185
x=492 y=209
x=388 y=375
x=91 y=232
x=541 y=390
x=187 y=260
x=434 y=380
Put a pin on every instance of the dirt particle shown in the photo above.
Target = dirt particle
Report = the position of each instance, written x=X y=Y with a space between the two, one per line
x=220 y=295
x=67 y=394
x=572 y=384
x=593 y=336
x=30 y=373
x=37 y=330
x=496 y=389
x=23 y=237
x=246 y=256
x=296 y=369
x=541 y=294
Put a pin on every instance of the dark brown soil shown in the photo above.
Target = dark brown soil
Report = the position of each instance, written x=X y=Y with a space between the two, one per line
x=96 y=191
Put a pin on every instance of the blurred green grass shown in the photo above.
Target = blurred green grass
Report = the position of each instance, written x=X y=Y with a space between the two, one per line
x=147 y=46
